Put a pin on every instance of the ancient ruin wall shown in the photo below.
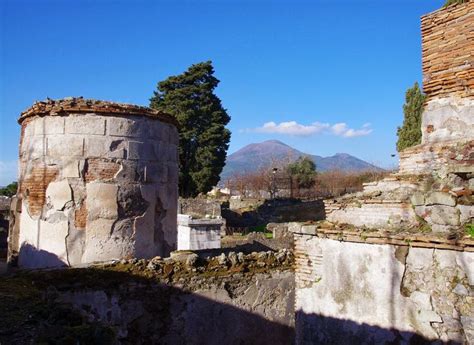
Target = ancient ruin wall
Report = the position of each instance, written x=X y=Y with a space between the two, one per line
x=98 y=181
x=448 y=52
x=366 y=288
x=235 y=309
x=448 y=73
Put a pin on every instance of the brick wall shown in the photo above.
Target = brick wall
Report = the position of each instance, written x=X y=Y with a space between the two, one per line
x=448 y=51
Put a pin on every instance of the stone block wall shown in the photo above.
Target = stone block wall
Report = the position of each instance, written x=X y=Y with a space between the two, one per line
x=354 y=288
x=196 y=234
x=98 y=181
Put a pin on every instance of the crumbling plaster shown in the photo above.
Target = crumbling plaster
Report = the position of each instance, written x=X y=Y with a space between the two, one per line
x=399 y=289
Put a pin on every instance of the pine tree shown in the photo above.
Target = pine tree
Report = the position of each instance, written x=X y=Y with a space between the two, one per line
x=410 y=132
x=204 y=140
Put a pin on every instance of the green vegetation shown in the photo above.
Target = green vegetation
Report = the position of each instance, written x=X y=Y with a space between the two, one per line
x=258 y=228
x=9 y=190
x=204 y=140
x=470 y=229
x=304 y=171
x=410 y=132
x=452 y=2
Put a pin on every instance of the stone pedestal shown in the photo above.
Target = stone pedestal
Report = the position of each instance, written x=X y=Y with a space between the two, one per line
x=195 y=234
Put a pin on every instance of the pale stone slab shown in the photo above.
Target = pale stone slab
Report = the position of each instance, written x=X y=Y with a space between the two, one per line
x=127 y=127
x=71 y=169
x=85 y=124
x=58 y=194
x=53 y=238
x=54 y=125
x=440 y=198
x=444 y=215
x=65 y=145
x=35 y=148
x=101 y=201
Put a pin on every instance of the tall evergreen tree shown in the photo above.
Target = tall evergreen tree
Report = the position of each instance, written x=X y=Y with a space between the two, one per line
x=204 y=140
x=410 y=132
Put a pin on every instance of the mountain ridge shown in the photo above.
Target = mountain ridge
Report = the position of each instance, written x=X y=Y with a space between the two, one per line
x=254 y=156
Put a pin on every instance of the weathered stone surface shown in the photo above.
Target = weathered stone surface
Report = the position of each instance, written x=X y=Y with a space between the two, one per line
x=440 y=198
x=233 y=309
x=86 y=124
x=71 y=169
x=360 y=293
x=417 y=199
x=102 y=200
x=58 y=194
x=443 y=215
x=65 y=146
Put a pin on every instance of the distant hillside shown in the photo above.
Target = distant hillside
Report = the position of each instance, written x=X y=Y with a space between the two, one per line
x=254 y=156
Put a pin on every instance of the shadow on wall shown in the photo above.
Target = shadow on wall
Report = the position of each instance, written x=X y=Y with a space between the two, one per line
x=31 y=257
x=317 y=329
x=142 y=311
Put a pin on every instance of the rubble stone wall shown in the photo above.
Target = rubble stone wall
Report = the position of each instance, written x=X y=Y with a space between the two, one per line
x=200 y=208
x=95 y=183
x=350 y=293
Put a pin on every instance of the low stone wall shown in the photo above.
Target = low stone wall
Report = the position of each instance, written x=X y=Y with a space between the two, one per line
x=377 y=288
x=200 y=208
x=231 y=299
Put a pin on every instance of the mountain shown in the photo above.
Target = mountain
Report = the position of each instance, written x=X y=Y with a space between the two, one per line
x=254 y=156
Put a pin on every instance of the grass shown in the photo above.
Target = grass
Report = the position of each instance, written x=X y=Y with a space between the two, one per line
x=470 y=229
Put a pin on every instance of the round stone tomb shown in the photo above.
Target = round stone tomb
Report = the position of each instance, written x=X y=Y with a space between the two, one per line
x=97 y=181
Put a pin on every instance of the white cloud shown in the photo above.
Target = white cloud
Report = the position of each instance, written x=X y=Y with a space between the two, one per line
x=8 y=172
x=294 y=128
x=341 y=129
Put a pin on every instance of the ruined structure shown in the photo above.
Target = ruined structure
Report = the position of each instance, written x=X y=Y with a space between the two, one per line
x=97 y=181
x=394 y=263
x=433 y=188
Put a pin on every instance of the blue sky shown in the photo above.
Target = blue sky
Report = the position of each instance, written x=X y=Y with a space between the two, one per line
x=322 y=76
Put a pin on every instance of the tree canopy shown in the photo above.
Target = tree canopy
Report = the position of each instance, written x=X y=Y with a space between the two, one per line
x=452 y=2
x=9 y=190
x=409 y=134
x=303 y=170
x=204 y=140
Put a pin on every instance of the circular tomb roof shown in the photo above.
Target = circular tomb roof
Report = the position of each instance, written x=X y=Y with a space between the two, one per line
x=68 y=105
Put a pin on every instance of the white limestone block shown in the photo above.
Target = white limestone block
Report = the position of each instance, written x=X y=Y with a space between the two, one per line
x=71 y=169
x=49 y=125
x=65 y=145
x=101 y=201
x=52 y=238
x=85 y=124
x=58 y=194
